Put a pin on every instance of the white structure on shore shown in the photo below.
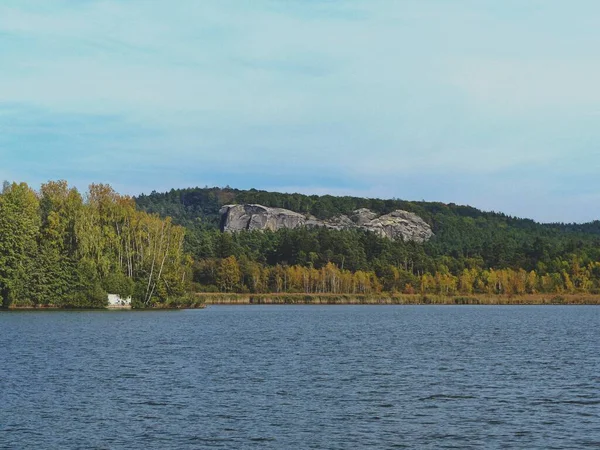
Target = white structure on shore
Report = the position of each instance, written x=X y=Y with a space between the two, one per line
x=115 y=301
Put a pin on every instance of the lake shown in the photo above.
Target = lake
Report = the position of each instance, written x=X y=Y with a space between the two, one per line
x=294 y=377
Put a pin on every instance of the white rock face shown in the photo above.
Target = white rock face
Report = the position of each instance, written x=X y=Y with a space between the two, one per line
x=258 y=217
x=363 y=216
x=395 y=226
x=401 y=225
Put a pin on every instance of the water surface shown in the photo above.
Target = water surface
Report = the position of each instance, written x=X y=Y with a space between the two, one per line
x=293 y=377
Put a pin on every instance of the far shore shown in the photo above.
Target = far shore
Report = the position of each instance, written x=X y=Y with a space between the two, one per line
x=202 y=300
x=395 y=299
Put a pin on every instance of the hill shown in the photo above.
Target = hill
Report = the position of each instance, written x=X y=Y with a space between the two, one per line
x=466 y=239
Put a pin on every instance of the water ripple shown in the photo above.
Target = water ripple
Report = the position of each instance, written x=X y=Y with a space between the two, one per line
x=278 y=377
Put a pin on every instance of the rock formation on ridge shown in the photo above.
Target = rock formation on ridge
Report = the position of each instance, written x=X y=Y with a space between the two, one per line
x=395 y=225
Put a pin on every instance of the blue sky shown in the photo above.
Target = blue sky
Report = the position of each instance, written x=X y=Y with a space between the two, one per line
x=483 y=102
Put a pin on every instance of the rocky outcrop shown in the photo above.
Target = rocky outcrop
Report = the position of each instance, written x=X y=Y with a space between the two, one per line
x=258 y=217
x=363 y=216
x=401 y=225
x=397 y=225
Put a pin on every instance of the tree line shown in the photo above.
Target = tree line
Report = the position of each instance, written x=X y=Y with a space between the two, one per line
x=61 y=248
x=242 y=275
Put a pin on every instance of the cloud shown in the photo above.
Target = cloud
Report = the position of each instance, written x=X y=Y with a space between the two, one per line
x=438 y=100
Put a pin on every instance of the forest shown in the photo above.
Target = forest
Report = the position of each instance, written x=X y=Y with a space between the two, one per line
x=63 y=248
x=473 y=252
x=59 y=248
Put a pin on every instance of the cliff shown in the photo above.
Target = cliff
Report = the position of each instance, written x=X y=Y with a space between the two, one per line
x=395 y=225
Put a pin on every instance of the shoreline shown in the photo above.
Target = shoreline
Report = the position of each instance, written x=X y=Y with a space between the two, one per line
x=108 y=308
x=396 y=299
x=203 y=300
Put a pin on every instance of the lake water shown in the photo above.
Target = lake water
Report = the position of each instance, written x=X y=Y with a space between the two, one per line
x=294 y=377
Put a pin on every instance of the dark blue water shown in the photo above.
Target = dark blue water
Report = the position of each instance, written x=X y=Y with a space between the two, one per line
x=293 y=377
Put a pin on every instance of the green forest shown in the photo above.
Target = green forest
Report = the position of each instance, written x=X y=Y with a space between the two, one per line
x=473 y=252
x=63 y=248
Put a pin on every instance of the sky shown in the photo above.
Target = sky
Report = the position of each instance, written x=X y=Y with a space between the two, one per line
x=489 y=103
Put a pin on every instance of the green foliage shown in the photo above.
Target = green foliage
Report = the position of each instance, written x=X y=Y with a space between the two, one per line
x=59 y=248
x=464 y=237
x=120 y=284
x=85 y=291
x=19 y=225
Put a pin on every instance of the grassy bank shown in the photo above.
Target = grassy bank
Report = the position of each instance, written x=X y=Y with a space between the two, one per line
x=201 y=300
x=394 y=299
x=187 y=302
